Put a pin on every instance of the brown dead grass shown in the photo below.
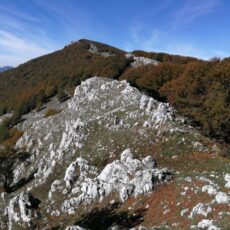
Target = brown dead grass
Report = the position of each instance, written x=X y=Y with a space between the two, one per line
x=168 y=195
x=51 y=112
x=2 y=189
x=15 y=134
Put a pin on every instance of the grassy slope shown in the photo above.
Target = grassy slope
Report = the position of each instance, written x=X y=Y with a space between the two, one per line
x=163 y=206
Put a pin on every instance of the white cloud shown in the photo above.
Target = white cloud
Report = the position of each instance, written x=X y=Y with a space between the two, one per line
x=6 y=60
x=16 y=50
x=23 y=15
x=186 y=49
x=221 y=53
x=191 y=10
x=140 y=39
x=155 y=41
x=16 y=44
x=162 y=39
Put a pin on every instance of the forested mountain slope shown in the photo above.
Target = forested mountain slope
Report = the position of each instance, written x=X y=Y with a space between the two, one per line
x=199 y=89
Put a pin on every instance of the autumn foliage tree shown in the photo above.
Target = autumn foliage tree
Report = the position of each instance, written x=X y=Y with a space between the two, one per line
x=198 y=89
x=202 y=93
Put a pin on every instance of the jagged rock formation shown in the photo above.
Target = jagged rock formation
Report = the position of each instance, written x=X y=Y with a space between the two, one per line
x=22 y=209
x=73 y=156
x=94 y=49
x=126 y=176
x=111 y=104
x=74 y=228
x=140 y=61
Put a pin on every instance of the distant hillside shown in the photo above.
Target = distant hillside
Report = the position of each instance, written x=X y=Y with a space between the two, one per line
x=198 y=89
x=4 y=68
x=21 y=88
x=58 y=71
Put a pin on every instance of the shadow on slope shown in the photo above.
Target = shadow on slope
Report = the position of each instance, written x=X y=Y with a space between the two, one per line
x=102 y=219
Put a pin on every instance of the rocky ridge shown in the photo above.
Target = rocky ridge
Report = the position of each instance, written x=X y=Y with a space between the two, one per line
x=59 y=137
x=91 y=150
x=140 y=61
x=56 y=141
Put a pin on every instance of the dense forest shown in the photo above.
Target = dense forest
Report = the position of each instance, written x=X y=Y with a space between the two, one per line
x=198 y=89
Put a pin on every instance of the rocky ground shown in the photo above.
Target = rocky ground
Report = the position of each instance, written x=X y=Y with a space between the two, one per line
x=114 y=158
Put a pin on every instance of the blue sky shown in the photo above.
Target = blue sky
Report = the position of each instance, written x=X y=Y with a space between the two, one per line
x=31 y=28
